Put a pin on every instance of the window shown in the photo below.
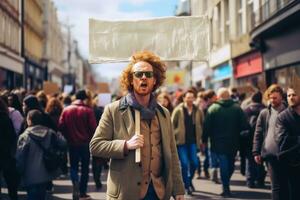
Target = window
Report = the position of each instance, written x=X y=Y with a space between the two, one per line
x=240 y=17
x=227 y=20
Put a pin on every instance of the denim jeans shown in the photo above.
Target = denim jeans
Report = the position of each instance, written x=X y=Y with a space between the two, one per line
x=37 y=191
x=226 y=167
x=206 y=160
x=213 y=160
x=189 y=162
x=80 y=154
x=254 y=171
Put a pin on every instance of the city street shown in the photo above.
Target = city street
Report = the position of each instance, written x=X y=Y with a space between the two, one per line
x=205 y=189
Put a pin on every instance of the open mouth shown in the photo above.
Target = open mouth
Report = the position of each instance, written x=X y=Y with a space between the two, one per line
x=144 y=85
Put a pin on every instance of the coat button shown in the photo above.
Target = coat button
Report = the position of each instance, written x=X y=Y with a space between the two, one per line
x=146 y=182
x=138 y=183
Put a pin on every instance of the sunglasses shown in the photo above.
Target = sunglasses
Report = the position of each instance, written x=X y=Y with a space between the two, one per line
x=140 y=74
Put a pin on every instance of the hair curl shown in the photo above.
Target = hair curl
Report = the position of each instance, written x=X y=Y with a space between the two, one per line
x=159 y=69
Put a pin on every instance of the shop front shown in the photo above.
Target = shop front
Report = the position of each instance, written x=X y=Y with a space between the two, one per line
x=222 y=75
x=248 y=70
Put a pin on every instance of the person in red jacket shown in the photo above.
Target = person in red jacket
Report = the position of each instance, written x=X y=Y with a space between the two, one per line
x=78 y=124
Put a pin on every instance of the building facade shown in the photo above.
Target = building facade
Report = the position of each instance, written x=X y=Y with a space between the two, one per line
x=35 y=68
x=276 y=34
x=54 y=44
x=11 y=61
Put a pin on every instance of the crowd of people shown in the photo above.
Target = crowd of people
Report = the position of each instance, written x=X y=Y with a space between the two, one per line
x=177 y=130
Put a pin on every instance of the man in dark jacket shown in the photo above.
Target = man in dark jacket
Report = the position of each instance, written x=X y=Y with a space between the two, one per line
x=254 y=172
x=78 y=123
x=223 y=123
x=264 y=145
x=287 y=135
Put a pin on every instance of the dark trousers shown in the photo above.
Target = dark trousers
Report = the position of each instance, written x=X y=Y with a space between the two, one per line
x=279 y=180
x=293 y=175
x=80 y=154
x=37 y=191
x=11 y=178
x=254 y=171
x=97 y=164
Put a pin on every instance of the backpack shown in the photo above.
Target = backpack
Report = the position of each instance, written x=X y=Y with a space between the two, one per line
x=52 y=156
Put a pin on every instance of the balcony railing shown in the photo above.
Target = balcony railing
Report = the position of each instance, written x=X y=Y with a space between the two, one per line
x=266 y=11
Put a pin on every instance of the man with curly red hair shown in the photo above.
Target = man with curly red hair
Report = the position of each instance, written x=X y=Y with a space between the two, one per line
x=158 y=174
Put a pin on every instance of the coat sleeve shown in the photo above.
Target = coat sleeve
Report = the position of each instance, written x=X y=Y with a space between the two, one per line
x=207 y=127
x=175 y=123
x=21 y=153
x=178 y=188
x=259 y=133
x=282 y=136
x=103 y=143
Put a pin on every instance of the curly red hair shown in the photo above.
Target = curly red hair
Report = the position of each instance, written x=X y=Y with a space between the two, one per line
x=159 y=69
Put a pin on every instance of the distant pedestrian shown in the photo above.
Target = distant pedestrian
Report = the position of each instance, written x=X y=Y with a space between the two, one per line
x=255 y=173
x=77 y=123
x=265 y=147
x=34 y=173
x=223 y=124
x=287 y=134
x=187 y=122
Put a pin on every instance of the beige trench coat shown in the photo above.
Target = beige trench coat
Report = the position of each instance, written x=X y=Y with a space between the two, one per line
x=124 y=177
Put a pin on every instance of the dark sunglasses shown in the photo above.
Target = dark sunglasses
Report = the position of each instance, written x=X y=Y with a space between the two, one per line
x=140 y=74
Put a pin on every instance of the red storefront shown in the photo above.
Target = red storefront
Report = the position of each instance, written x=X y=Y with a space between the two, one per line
x=248 y=70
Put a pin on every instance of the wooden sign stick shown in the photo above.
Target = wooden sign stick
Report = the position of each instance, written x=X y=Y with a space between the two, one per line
x=138 y=132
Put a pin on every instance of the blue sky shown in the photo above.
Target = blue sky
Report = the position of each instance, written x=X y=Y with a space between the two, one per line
x=77 y=13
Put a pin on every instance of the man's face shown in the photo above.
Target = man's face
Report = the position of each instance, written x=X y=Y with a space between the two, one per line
x=293 y=98
x=275 y=99
x=189 y=98
x=143 y=78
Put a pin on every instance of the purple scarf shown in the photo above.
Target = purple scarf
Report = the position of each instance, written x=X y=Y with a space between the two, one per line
x=146 y=113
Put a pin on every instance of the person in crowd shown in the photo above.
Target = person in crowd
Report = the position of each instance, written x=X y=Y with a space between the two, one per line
x=30 y=102
x=210 y=159
x=287 y=136
x=8 y=139
x=34 y=175
x=165 y=100
x=54 y=109
x=158 y=174
x=223 y=124
x=42 y=99
x=14 y=102
x=187 y=122
x=255 y=173
x=78 y=123
x=265 y=147
x=201 y=103
x=14 y=114
x=97 y=162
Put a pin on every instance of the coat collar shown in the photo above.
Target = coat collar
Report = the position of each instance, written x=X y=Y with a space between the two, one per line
x=124 y=105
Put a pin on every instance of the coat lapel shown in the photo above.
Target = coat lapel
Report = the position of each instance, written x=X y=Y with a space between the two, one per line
x=165 y=141
x=128 y=121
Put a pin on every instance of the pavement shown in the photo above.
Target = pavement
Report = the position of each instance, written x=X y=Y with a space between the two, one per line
x=205 y=189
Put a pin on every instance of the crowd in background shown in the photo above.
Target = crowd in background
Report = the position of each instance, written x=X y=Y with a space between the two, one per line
x=223 y=124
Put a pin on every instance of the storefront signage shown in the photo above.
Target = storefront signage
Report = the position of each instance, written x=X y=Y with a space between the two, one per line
x=248 y=65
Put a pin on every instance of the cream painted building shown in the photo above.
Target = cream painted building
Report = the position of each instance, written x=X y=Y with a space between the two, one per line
x=54 y=44
x=35 y=67
x=11 y=62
